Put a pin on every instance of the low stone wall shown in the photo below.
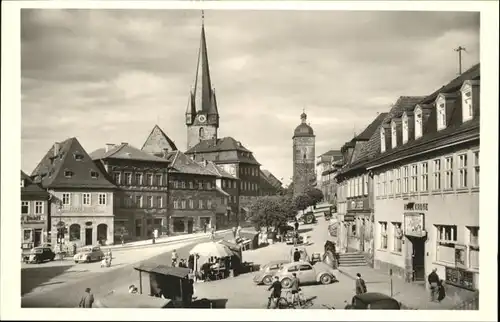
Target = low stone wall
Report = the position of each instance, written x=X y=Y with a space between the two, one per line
x=385 y=267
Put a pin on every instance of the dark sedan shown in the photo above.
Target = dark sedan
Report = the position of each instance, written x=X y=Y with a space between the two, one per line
x=39 y=255
x=373 y=301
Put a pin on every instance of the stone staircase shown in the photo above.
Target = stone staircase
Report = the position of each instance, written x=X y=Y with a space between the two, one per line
x=352 y=259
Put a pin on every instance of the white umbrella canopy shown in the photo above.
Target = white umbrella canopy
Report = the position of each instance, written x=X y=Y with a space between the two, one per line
x=210 y=249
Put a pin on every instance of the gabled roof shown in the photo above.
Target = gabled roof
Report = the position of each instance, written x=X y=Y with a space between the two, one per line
x=157 y=141
x=241 y=154
x=335 y=153
x=370 y=129
x=219 y=172
x=72 y=157
x=181 y=163
x=124 y=151
x=272 y=178
x=32 y=189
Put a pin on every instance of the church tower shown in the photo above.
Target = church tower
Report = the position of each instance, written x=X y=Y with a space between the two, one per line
x=202 y=116
x=303 y=156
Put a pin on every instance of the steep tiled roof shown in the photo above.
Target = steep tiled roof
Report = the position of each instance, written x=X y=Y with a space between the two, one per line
x=370 y=129
x=332 y=153
x=156 y=141
x=70 y=157
x=241 y=154
x=181 y=163
x=272 y=178
x=124 y=151
x=32 y=189
x=210 y=166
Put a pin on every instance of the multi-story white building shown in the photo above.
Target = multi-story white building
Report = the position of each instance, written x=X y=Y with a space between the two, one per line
x=427 y=187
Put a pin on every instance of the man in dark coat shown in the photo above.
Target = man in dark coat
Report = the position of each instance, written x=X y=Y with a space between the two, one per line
x=87 y=299
x=360 y=284
x=276 y=294
x=296 y=225
x=296 y=255
x=433 y=280
x=441 y=291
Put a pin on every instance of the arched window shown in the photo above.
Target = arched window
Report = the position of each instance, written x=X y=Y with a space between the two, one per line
x=202 y=132
x=74 y=232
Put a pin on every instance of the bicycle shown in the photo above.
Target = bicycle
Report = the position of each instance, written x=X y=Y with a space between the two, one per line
x=301 y=301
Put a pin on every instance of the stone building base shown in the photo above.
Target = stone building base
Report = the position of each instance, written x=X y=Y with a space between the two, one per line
x=397 y=271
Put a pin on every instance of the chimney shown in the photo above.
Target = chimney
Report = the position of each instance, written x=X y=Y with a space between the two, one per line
x=57 y=147
x=109 y=146
x=165 y=153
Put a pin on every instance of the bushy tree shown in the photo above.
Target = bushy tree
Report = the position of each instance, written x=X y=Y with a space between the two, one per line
x=302 y=201
x=315 y=194
x=270 y=211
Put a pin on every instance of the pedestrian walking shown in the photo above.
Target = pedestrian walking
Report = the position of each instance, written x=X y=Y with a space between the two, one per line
x=296 y=255
x=174 y=258
x=74 y=249
x=234 y=232
x=276 y=294
x=433 y=280
x=212 y=235
x=122 y=239
x=296 y=224
x=205 y=225
x=360 y=284
x=238 y=231
x=87 y=299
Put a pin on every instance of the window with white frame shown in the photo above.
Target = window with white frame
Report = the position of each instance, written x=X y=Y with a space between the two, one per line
x=394 y=133
x=475 y=156
x=448 y=172
x=356 y=187
x=200 y=204
x=377 y=184
x=424 y=178
x=149 y=178
x=397 y=176
x=441 y=113
x=383 y=234
x=473 y=247
x=384 y=184
x=397 y=235
x=467 y=111
x=102 y=199
x=462 y=171
x=405 y=128
x=159 y=179
x=38 y=207
x=149 y=201
x=138 y=179
x=390 y=180
x=22 y=183
x=159 y=201
x=436 y=175
x=365 y=185
x=209 y=204
x=128 y=178
x=382 y=139
x=414 y=178
x=86 y=199
x=25 y=207
x=176 y=184
x=117 y=177
x=405 y=179
x=138 y=201
x=191 y=203
x=176 y=204
x=66 y=199
x=183 y=204
x=418 y=122
x=447 y=238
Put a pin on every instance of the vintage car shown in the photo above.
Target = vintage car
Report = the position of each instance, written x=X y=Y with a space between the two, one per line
x=266 y=272
x=373 y=301
x=89 y=254
x=39 y=255
x=304 y=256
x=306 y=273
x=289 y=238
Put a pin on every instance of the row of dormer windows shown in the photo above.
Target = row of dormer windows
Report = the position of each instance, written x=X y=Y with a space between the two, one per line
x=248 y=186
x=354 y=187
x=459 y=171
x=190 y=204
x=200 y=185
x=250 y=171
x=138 y=178
x=467 y=93
x=228 y=184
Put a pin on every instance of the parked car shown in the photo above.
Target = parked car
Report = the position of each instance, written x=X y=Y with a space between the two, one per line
x=308 y=218
x=304 y=256
x=373 y=301
x=289 y=238
x=89 y=254
x=39 y=255
x=266 y=272
x=307 y=273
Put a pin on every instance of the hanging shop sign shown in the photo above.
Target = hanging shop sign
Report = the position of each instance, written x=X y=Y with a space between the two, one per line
x=414 y=225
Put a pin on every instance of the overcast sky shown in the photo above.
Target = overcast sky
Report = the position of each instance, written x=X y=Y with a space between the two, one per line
x=108 y=76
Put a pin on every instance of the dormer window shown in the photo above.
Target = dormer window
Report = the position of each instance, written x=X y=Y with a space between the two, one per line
x=394 y=132
x=418 y=122
x=382 y=140
x=467 y=100
x=22 y=183
x=78 y=157
x=441 y=113
x=68 y=173
x=405 y=128
x=94 y=174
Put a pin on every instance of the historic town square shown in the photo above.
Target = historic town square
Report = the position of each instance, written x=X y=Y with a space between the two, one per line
x=239 y=159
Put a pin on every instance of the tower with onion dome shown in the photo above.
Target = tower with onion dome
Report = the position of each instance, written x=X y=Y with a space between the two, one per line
x=303 y=156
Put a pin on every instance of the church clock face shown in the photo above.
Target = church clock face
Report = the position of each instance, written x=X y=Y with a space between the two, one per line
x=202 y=118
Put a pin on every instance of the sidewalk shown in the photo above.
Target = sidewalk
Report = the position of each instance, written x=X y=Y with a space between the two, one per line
x=410 y=295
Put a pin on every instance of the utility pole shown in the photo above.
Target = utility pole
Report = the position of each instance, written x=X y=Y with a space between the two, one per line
x=459 y=50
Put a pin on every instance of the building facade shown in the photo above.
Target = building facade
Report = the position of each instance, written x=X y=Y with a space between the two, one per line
x=81 y=207
x=303 y=156
x=193 y=195
x=157 y=143
x=327 y=166
x=35 y=216
x=141 y=200
x=427 y=187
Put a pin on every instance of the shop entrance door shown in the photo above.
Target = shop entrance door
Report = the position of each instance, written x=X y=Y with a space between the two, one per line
x=88 y=236
x=418 y=258
x=37 y=239
x=190 y=225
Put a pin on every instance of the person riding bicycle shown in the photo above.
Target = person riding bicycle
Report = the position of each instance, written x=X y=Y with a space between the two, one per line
x=295 y=287
x=276 y=294
x=174 y=258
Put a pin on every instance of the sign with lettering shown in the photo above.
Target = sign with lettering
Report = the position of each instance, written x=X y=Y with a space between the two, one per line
x=82 y=209
x=349 y=218
x=32 y=219
x=414 y=225
x=416 y=206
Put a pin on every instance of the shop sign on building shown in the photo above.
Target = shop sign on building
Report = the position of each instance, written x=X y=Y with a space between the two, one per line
x=414 y=224
x=413 y=206
x=33 y=219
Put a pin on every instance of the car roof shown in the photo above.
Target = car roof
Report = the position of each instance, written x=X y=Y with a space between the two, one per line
x=296 y=263
x=278 y=261
x=371 y=297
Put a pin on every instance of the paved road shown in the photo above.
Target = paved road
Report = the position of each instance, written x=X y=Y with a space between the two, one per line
x=68 y=295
